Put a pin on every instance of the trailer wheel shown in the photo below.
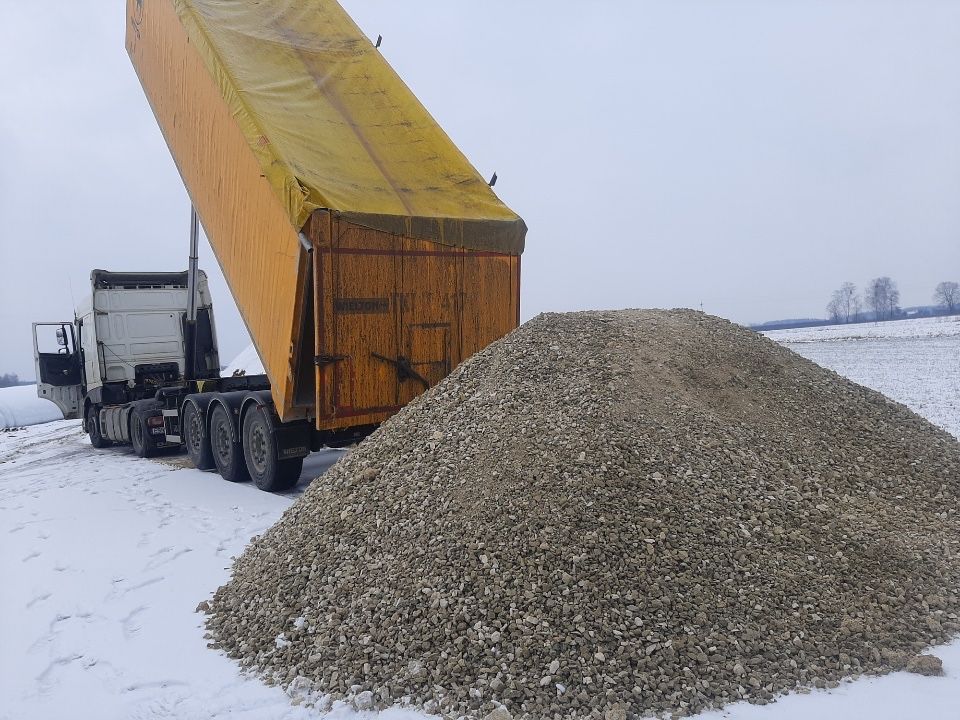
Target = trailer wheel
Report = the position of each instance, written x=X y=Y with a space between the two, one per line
x=268 y=471
x=227 y=454
x=196 y=440
x=93 y=428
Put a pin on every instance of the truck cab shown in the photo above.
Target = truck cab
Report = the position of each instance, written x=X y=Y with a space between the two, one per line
x=128 y=340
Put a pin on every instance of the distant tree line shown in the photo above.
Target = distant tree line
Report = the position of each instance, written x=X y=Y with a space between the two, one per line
x=9 y=380
x=881 y=301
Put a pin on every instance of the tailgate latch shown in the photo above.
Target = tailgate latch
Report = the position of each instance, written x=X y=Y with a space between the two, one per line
x=405 y=370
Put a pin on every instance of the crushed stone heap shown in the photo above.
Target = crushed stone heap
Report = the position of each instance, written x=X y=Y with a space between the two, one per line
x=610 y=513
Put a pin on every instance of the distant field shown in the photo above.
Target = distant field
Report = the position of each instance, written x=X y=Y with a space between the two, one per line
x=915 y=362
x=948 y=326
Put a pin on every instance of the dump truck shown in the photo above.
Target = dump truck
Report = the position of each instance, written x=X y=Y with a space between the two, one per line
x=366 y=255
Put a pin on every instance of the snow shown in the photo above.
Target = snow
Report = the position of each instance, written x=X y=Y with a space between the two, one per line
x=247 y=361
x=915 y=362
x=104 y=558
x=20 y=406
x=947 y=326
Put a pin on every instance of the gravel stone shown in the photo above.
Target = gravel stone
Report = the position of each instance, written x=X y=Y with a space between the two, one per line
x=363 y=700
x=653 y=512
x=499 y=713
x=925 y=665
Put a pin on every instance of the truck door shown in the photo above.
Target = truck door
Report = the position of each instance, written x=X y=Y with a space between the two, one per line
x=57 y=362
x=428 y=314
x=364 y=324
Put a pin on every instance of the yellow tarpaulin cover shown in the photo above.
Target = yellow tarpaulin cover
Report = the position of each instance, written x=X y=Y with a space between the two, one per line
x=334 y=127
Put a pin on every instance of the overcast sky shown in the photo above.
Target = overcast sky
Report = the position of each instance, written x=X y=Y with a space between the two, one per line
x=749 y=156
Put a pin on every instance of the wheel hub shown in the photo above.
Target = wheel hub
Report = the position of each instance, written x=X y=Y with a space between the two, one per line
x=223 y=441
x=193 y=433
x=258 y=448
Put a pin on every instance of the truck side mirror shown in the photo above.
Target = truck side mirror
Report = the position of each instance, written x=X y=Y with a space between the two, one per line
x=61 y=337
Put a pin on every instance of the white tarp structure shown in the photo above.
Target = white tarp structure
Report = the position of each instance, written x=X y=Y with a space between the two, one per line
x=20 y=406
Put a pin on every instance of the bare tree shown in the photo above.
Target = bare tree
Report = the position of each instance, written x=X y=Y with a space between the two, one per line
x=844 y=305
x=849 y=301
x=834 y=311
x=947 y=294
x=883 y=298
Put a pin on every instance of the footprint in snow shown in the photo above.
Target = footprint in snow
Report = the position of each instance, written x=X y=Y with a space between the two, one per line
x=154 y=685
x=120 y=591
x=53 y=632
x=47 y=680
x=165 y=557
x=129 y=624
x=37 y=599
x=145 y=583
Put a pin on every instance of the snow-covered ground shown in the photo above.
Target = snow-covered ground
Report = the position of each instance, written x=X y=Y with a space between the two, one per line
x=947 y=326
x=247 y=362
x=104 y=558
x=915 y=362
x=20 y=406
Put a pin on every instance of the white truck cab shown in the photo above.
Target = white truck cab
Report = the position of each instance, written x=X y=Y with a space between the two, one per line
x=128 y=340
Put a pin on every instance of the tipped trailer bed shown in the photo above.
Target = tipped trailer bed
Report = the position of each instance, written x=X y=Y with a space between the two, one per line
x=365 y=253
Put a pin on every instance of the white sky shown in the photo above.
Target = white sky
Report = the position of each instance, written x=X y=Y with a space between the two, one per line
x=749 y=156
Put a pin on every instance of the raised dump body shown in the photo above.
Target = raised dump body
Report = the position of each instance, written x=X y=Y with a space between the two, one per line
x=366 y=255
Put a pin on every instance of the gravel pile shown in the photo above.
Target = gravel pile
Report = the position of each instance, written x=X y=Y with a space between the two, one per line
x=610 y=514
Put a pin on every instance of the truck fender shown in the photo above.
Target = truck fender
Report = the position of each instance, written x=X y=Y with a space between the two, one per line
x=257 y=398
x=260 y=399
x=86 y=409
x=232 y=402
x=292 y=439
x=201 y=401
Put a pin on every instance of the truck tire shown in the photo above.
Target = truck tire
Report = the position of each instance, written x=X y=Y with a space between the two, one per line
x=227 y=453
x=143 y=444
x=195 y=439
x=93 y=428
x=267 y=470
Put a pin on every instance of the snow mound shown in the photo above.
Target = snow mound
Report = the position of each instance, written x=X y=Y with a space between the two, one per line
x=20 y=406
x=248 y=362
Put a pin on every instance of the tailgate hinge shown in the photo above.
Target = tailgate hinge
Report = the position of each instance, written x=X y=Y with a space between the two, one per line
x=321 y=360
